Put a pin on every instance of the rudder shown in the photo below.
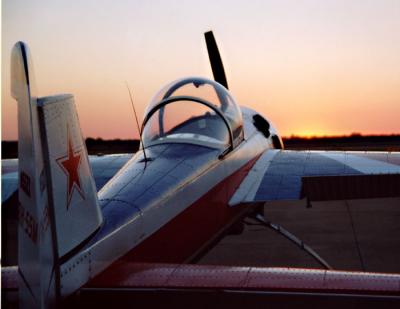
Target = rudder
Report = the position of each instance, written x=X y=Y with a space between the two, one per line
x=58 y=206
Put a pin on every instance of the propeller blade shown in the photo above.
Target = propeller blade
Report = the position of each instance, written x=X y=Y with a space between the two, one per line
x=215 y=59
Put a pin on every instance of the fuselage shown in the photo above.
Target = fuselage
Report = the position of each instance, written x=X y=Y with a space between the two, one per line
x=173 y=205
x=169 y=208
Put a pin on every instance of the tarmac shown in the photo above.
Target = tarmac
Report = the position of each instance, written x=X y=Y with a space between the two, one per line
x=358 y=235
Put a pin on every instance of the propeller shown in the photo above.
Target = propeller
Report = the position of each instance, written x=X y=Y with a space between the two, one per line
x=215 y=59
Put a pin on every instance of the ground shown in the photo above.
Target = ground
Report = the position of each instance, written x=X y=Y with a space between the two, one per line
x=350 y=235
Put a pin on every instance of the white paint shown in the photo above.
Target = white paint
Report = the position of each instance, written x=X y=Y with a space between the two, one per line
x=77 y=211
x=251 y=183
x=362 y=164
x=35 y=255
x=91 y=261
x=88 y=263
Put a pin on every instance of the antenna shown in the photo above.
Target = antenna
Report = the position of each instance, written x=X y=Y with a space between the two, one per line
x=137 y=123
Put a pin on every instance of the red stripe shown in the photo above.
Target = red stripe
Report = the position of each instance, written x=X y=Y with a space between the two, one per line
x=180 y=238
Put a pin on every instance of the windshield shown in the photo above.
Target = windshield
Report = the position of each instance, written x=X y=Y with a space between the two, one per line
x=193 y=110
x=186 y=120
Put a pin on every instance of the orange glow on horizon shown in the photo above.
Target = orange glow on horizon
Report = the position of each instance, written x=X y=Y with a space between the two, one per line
x=313 y=68
x=309 y=134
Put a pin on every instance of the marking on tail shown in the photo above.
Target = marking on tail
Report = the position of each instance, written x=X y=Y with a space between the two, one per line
x=28 y=223
x=25 y=183
x=45 y=222
x=70 y=166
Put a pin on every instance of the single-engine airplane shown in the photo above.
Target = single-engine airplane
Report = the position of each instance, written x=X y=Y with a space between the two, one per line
x=204 y=163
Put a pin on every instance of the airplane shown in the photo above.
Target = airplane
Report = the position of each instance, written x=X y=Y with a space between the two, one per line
x=114 y=226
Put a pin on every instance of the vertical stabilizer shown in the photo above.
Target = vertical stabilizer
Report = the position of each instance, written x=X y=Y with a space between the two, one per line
x=58 y=208
x=74 y=194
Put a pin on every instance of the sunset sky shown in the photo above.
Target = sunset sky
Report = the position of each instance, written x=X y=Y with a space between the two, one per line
x=312 y=67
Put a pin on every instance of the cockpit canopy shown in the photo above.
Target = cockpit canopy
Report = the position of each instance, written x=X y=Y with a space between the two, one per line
x=193 y=110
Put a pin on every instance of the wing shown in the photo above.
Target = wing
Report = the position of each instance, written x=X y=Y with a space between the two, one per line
x=320 y=175
x=176 y=286
x=9 y=178
x=103 y=168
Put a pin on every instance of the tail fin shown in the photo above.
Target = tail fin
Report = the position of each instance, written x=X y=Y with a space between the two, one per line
x=58 y=205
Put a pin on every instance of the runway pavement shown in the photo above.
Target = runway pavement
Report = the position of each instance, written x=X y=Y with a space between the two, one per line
x=350 y=235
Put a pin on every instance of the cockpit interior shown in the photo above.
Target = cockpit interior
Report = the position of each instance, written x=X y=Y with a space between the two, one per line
x=193 y=110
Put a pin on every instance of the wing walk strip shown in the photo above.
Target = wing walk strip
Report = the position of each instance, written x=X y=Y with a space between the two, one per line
x=170 y=276
x=247 y=278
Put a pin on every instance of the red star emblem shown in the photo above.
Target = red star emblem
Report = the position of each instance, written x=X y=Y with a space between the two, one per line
x=70 y=166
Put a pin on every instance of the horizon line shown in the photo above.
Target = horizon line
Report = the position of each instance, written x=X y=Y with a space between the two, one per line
x=292 y=136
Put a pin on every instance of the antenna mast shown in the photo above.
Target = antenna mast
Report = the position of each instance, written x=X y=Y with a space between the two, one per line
x=137 y=123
